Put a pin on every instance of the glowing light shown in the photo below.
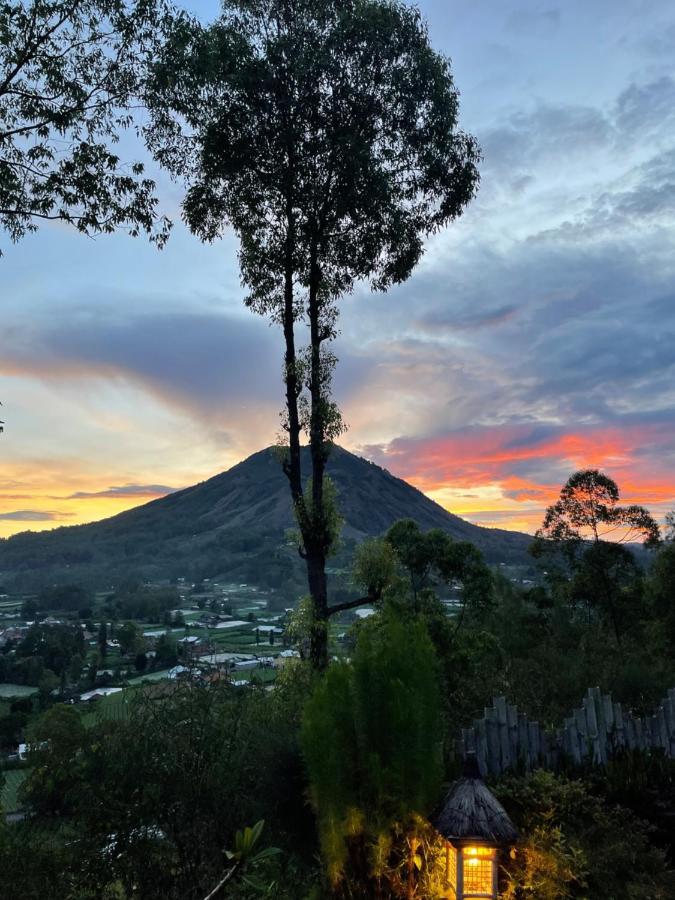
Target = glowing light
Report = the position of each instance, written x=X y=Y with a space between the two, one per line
x=478 y=870
x=478 y=851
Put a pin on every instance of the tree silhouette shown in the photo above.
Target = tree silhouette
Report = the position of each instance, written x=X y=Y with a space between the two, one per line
x=70 y=72
x=325 y=134
x=589 y=527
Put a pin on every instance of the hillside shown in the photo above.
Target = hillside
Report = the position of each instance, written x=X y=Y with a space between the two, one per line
x=232 y=525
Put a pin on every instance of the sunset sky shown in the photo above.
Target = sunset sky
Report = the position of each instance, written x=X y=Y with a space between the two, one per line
x=536 y=337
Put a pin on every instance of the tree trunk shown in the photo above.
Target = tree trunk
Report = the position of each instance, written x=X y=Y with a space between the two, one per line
x=293 y=388
x=318 y=589
x=317 y=541
x=311 y=519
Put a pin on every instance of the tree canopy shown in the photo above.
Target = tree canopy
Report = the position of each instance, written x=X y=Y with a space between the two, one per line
x=70 y=72
x=325 y=134
x=590 y=529
x=371 y=738
x=588 y=510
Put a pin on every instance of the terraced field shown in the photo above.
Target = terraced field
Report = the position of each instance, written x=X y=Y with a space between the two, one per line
x=9 y=799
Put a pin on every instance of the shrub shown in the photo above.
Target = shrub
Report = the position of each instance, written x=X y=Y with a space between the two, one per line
x=577 y=845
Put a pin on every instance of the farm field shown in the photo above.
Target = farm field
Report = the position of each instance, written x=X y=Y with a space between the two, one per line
x=12 y=691
x=9 y=800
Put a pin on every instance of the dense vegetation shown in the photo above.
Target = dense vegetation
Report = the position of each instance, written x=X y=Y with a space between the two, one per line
x=69 y=71
x=144 y=799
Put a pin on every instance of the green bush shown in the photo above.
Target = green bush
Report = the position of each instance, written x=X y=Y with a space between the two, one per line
x=371 y=739
x=577 y=845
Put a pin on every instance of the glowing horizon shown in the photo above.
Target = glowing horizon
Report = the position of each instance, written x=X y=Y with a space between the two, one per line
x=512 y=503
x=535 y=337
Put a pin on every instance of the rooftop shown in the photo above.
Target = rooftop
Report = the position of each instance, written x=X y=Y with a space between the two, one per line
x=472 y=812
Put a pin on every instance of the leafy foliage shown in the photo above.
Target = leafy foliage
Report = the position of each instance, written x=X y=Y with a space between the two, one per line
x=147 y=803
x=325 y=134
x=54 y=645
x=69 y=73
x=576 y=845
x=335 y=120
x=433 y=557
x=661 y=591
x=374 y=566
x=55 y=741
x=371 y=738
x=587 y=509
x=605 y=574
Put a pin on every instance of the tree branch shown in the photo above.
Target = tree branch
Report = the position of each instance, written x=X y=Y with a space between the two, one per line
x=352 y=604
x=221 y=884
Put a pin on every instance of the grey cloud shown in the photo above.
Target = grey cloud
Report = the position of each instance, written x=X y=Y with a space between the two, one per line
x=518 y=149
x=591 y=342
x=659 y=43
x=211 y=360
x=548 y=132
x=644 y=197
x=126 y=490
x=642 y=108
x=644 y=202
x=533 y=21
x=32 y=515
x=614 y=353
x=212 y=365
x=467 y=319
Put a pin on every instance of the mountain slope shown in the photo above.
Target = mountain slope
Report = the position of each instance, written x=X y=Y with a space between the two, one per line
x=234 y=524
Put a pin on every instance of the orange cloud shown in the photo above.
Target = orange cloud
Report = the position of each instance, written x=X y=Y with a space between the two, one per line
x=514 y=471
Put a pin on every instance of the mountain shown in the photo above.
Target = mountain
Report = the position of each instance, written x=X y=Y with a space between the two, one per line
x=233 y=526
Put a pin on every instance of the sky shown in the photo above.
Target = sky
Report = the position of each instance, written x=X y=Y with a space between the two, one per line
x=536 y=337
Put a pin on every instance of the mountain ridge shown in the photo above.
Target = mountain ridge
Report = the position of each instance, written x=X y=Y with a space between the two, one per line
x=232 y=522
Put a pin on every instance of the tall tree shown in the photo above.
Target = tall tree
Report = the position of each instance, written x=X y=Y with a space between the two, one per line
x=69 y=74
x=661 y=583
x=588 y=509
x=432 y=557
x=590 y=528
x=371 y=737
x=325 y=133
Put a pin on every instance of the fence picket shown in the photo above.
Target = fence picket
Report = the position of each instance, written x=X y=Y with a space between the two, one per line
x=505 y=738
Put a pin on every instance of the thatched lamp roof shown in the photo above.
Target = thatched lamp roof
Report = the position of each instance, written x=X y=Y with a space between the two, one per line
x=472 y=812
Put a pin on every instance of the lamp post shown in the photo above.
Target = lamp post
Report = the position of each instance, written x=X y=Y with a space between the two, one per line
x=474 y=826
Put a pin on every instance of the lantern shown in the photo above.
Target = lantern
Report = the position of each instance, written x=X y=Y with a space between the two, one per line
x=474 y=826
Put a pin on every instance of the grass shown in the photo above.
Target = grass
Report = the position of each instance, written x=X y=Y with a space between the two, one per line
x=265 y=676
x=152 y=676
x=9 y=800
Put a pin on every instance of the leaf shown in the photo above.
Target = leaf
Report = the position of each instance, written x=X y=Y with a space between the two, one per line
x=255 y=883
x=265 y=854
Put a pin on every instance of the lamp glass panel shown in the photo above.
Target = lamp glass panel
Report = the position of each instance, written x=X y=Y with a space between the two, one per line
x=477 y=868
x=451 y=873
